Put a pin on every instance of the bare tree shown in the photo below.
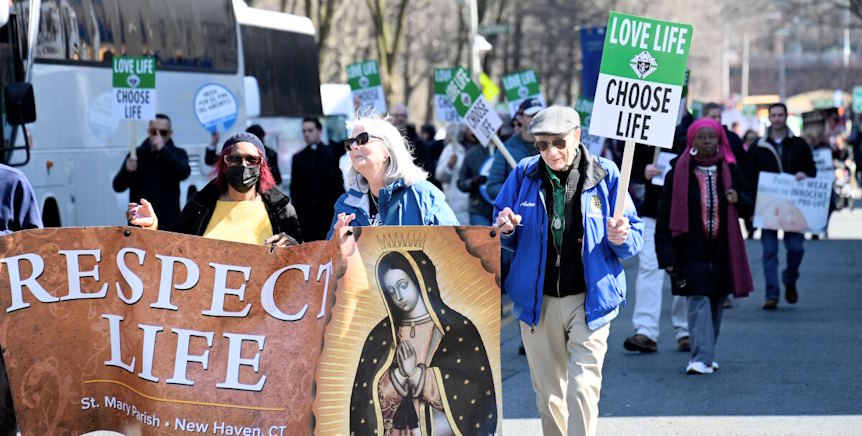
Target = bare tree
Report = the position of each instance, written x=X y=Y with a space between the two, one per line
x=388 y=43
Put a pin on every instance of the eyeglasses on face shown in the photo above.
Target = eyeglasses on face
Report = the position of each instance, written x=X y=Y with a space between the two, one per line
x=235 y=160
x=543 y=145
x=360 y=140
x=161 y=132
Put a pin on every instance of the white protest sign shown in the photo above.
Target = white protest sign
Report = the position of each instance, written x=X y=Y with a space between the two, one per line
x=641 y=79
x=663 y=162
x=823 y=162
x=134 y=83
x=783 y=203
x=364 y=80
x=215 y=107
x=473 y=107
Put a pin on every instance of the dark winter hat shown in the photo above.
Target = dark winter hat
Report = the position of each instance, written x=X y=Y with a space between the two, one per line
x=244 y=137
x=555 y=120
x=530 y=106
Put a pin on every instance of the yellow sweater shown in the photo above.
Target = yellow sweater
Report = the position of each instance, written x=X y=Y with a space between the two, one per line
x=239 y=221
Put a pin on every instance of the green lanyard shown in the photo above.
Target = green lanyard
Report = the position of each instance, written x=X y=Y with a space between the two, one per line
x=558 y=222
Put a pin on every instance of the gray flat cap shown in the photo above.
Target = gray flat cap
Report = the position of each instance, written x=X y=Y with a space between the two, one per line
x=555 y=120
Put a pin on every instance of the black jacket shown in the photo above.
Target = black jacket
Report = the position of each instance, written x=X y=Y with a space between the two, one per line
x=470 y=179
x=764 y=156
x=316 y=183
x=210 y=158
x=701 y=264
x=198 y=211
x=157 y=179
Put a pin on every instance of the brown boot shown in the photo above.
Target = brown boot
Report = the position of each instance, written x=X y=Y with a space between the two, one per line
x=640 y=343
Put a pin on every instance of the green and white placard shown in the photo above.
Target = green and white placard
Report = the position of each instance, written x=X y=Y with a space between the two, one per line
x=584 y=108
x=443 y=108
x=364 y=80
x=857 y=99
x=641 y=79
x=472 y=106
x=521 y=86
x=134 y=84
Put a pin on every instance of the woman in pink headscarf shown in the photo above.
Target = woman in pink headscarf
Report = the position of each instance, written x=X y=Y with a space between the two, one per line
x=698 y=237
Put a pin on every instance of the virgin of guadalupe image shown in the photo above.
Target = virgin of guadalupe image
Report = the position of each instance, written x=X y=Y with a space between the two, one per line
x=423 y=369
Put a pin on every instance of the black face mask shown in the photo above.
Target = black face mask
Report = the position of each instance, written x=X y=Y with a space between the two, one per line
x=243 y=178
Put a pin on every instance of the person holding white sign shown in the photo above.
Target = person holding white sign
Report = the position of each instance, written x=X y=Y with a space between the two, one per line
x=564 y=273
x=155 y=171
x=779 y=151
x=698 y=237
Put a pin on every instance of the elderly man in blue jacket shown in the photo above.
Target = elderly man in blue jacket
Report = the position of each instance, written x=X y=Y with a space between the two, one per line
x=564 y=272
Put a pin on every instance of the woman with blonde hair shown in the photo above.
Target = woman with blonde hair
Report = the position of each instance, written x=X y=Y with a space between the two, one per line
x=385 y=186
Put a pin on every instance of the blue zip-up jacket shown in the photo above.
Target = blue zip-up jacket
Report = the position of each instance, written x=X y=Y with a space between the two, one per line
x=420 y=204
x=19 y=209
x=527 y=245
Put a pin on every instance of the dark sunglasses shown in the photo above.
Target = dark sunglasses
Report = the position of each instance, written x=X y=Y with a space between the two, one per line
x=360 y=140
x=543 y=145
x=233 y=160
x=161 y=132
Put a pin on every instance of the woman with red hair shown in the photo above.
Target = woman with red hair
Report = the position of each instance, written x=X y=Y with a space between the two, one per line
x=241 y=203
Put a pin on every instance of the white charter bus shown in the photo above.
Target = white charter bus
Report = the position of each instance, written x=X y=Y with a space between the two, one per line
x=77 y=147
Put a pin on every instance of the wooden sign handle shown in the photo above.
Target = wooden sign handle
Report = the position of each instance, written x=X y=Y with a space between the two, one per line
x=625 y=175
x=133 y=133
x=508 y=156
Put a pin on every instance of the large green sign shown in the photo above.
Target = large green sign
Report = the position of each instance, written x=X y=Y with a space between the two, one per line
x=641 y=79
x=134 y=83
x=364 y=80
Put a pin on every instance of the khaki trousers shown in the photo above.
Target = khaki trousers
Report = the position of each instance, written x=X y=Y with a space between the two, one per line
x=565 y=359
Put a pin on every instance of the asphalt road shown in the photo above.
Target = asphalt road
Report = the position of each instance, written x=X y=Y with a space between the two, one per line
x=792 y=371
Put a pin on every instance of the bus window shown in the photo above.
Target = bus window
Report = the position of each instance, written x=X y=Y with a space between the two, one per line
x=196 y=35
x=285 y=65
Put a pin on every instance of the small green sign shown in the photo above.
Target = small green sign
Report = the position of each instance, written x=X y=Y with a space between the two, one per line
x=584 y=108
x=134 y=72
x=749 y=110
x=857 y=99
x=472 y=106
x=520 y=86
x=362 y=75
x=364 y=80
x=443 y=108
x=462 y=91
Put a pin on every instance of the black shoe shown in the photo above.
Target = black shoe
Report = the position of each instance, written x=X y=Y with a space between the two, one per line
x=790 y=293
x=522 y=351
x=640 y=343
x=683 y=344
x=770 y=304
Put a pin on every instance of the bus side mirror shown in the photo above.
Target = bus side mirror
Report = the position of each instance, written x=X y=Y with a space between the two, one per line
x=252 y=96
x=20 y=104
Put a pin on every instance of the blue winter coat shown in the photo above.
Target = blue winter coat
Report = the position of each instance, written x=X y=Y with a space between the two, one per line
x=420 y=204
x=527 y=245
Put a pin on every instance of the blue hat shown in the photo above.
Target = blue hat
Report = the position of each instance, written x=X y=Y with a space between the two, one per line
x=530 y=106
x=244 y=137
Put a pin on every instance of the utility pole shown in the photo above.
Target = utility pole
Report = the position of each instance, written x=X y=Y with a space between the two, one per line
x=746 y=41
x=474 y=50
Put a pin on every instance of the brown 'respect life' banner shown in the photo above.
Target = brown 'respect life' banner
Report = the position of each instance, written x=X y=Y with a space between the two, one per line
x=147 y=332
